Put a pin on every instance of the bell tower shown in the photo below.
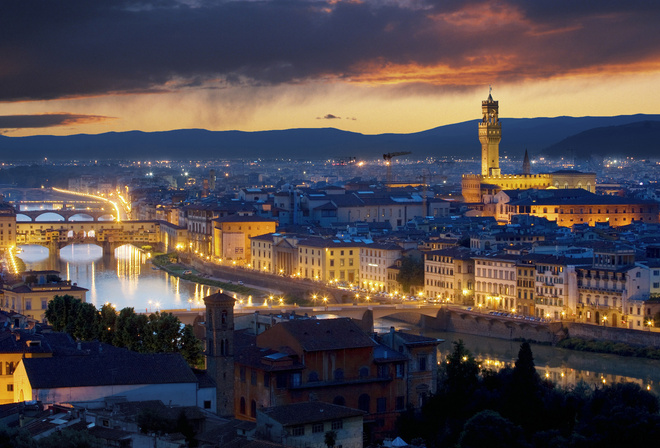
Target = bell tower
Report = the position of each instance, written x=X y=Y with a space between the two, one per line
x=220 y=349
x=490 y=134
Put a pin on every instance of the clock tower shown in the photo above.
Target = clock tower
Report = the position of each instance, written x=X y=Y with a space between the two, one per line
x=490 y=134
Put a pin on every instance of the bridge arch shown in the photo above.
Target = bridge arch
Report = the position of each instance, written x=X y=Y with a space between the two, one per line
x=82 y=216
x=49 y=216
x=22 y=217
x=106 y=217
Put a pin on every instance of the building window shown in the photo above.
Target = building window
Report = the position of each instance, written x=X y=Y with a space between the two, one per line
x=363 y=402
x=317 y=428
x=298 y=430
x=339 y=374
x=242 y=406
x=296 y=379
x=281 y=380
x=421 y=363
x=337 y=424
x=400 y=369
x=28 y=304
x=44 y=304
x=253 y=409
x=383 y=371
x=253 y=377
x=10 y=387
x=207 y=404
x=400 y=403
x=242 y=374
x=381 y=404
x=266 y=379
x=339 y=401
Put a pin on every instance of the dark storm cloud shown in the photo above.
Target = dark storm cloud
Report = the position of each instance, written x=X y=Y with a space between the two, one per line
x=46 y=120
x=80 y=47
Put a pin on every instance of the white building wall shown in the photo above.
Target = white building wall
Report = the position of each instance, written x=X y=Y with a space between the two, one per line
x=180 y=394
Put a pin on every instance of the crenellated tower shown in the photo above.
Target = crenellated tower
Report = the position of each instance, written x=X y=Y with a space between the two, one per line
x=220 y=349
x=490 y=134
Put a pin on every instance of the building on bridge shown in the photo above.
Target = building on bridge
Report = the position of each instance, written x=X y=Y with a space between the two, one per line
x=108 y=234
x=7 y=226
x=30 y=294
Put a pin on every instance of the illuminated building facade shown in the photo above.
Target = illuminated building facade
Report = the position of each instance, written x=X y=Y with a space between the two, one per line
x=374 y=261
x=231 y=236
x=31 y=294
x=449 y=275
x=477 y=188
x=612 y=291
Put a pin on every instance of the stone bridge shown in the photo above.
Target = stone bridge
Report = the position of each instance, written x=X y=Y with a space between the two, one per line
x=431 y=317
x=107 y=234
x=68 y=213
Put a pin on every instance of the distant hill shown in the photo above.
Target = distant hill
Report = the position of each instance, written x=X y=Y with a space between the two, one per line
x=640 y=140
x=539 y=135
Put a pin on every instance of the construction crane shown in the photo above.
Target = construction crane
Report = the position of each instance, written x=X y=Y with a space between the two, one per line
x=388 y=161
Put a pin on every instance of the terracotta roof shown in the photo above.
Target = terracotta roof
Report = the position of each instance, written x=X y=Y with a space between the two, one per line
x=309 y=412
x=327 y=334
x=250 y=218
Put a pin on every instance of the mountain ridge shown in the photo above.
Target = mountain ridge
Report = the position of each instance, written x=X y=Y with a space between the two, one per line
x=540 y=136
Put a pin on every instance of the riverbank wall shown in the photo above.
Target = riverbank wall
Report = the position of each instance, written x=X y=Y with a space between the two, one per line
x=460 y=321
x=303 y=288
x=623 y=335
x=478 y=324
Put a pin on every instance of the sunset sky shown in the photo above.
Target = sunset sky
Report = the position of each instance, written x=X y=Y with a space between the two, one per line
x=368 y=66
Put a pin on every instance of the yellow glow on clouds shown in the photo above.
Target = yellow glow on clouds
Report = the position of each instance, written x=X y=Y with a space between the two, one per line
x=365 y=105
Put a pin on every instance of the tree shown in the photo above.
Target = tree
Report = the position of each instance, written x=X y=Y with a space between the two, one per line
x=15 y=438
x=462 y=370
x=330 y=439
x=489 y=429
x=85 y=321
x=162 y=333
x=130 y=329
x=411 y=273
x=191 y=348
x=107 y=322
x=69 y=438
x=525 y=396
x=60 y=312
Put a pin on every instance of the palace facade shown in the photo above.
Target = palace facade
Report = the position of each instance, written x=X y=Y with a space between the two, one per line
x=479 y=188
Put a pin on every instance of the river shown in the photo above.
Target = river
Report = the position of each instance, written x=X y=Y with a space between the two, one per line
x=564 y=367
x=126 y=278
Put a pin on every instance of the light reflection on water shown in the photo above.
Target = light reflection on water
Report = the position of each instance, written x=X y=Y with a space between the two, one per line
x=126 y=278
x=564 y=367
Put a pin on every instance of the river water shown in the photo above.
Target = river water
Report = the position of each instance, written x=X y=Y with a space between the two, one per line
x=128 y=279
x=564 y=367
